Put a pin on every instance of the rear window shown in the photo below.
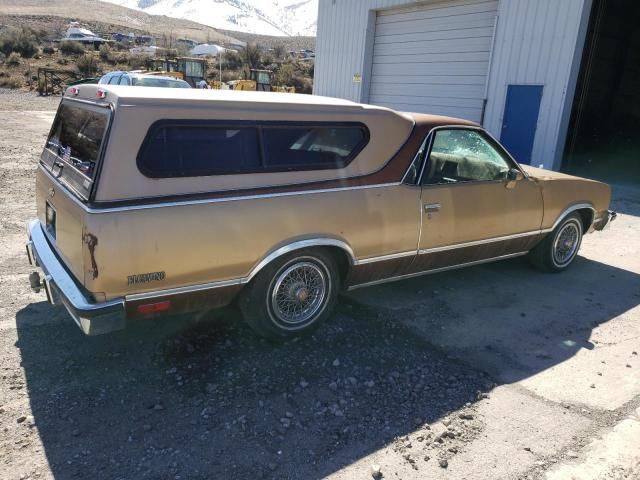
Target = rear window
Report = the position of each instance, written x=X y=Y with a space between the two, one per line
x=74 y=144
x=187 y=150
x=159 y=82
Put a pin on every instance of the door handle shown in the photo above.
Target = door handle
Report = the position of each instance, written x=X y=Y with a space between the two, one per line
x=431 y=207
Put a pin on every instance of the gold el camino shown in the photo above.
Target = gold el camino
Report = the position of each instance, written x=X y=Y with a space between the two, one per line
x=157 y=201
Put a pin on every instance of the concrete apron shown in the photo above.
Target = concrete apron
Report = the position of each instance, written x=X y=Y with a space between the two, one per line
x=565 y=347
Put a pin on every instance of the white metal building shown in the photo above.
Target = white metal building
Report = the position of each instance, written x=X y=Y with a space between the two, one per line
x=524 y=69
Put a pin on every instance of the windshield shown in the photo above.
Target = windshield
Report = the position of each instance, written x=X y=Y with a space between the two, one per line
x=73 y=147
x=159 y=82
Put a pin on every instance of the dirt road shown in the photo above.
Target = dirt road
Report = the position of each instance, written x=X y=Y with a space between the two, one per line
x=492 y=372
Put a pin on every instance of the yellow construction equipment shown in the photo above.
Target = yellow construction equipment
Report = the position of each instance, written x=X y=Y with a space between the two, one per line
x=245 y=85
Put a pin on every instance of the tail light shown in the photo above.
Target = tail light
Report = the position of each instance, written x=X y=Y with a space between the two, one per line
x=149 y=308
x=101 y=94
x=74 y=91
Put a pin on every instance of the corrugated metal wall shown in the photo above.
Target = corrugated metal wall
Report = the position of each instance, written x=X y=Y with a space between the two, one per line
x=537 y=42
x=344 y=28
x=434 y=58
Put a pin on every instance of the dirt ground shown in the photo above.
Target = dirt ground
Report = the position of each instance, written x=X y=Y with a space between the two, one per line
x=493 y=372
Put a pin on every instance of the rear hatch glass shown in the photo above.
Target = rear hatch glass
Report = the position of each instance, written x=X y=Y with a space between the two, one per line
x=75 y=143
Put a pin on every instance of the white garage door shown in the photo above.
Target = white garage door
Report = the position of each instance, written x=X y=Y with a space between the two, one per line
x=433 y=58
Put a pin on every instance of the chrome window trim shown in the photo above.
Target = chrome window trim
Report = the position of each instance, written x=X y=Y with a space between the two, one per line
x=436 y=270
x=503 y=151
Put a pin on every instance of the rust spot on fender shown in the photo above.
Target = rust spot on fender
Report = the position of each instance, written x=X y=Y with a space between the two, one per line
x=92 y=241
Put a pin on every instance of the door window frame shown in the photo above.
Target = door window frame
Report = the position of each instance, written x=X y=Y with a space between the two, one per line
x=428 y=141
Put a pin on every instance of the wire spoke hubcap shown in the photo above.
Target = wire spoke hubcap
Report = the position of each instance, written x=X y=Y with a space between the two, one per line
x=299 y=293
x=566 y=244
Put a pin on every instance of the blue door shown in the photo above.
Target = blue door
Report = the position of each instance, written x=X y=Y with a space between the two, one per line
x=520 y=120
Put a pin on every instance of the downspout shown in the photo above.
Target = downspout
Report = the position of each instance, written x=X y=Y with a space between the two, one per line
x=486 y=85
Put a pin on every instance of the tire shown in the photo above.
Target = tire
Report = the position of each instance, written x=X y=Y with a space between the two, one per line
x=292 y=295
x=559 y=249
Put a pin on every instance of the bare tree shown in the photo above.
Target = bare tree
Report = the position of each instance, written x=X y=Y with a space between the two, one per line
x=251 y=55
x=279 y=51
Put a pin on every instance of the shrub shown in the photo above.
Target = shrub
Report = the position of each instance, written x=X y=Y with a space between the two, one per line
x=105 y=52
x=62 y=61
x=232 y=60
x=49 y=50
x=294 y=75
x=121 y=46
x=69 y=47
x=23 y=41
x=229 y=75
x=10 y=82
x=13 y=60
x=87 y=65
x=136 y=61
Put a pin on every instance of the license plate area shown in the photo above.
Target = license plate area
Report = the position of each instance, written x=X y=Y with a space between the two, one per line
x=50 y=220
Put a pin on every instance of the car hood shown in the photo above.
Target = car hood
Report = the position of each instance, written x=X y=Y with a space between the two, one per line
x=542 y=174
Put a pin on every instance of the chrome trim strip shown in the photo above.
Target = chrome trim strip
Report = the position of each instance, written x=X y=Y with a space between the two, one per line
x=479 y=242
x=211 y=200
x=382 y=258
x=188 y=289
x=571 y=209
x=311 y=242
x=436 y=270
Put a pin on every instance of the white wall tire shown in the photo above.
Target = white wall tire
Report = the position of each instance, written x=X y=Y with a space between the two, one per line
x=559 y=249
x=292 y=295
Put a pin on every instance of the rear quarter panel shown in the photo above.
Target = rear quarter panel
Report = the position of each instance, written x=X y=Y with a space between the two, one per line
x=205 y=242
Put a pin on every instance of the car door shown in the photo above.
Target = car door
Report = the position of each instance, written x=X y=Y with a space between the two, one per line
x=476 y=202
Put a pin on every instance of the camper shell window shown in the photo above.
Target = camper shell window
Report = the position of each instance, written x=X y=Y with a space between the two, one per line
x=75 y=143
x=190 y=149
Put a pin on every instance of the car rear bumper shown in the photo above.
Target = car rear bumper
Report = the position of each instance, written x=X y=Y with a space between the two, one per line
x=92 y=318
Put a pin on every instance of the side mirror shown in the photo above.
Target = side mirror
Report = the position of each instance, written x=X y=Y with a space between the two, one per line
x=514 y=175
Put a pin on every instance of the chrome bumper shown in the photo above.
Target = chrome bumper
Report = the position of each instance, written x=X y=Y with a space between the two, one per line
x=92 y=318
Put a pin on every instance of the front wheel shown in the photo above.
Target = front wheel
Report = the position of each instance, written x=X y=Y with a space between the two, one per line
x=558 y=250
x=292 y=295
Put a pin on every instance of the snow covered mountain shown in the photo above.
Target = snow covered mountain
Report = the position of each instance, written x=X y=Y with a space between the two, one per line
x=263 y=17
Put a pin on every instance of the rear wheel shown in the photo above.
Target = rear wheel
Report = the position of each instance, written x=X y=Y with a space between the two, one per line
x=558 y=250
x=292 y=295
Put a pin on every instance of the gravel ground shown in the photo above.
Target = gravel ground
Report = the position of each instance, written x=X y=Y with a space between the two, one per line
x=18 y=100
x=394 y=385
x=179 y=399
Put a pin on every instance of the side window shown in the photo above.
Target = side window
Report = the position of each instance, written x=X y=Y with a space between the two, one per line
x=114 y=80
x=297 y=148
x=172 y=149
x=459 y=155
x=190 y=151
x=124 y=80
